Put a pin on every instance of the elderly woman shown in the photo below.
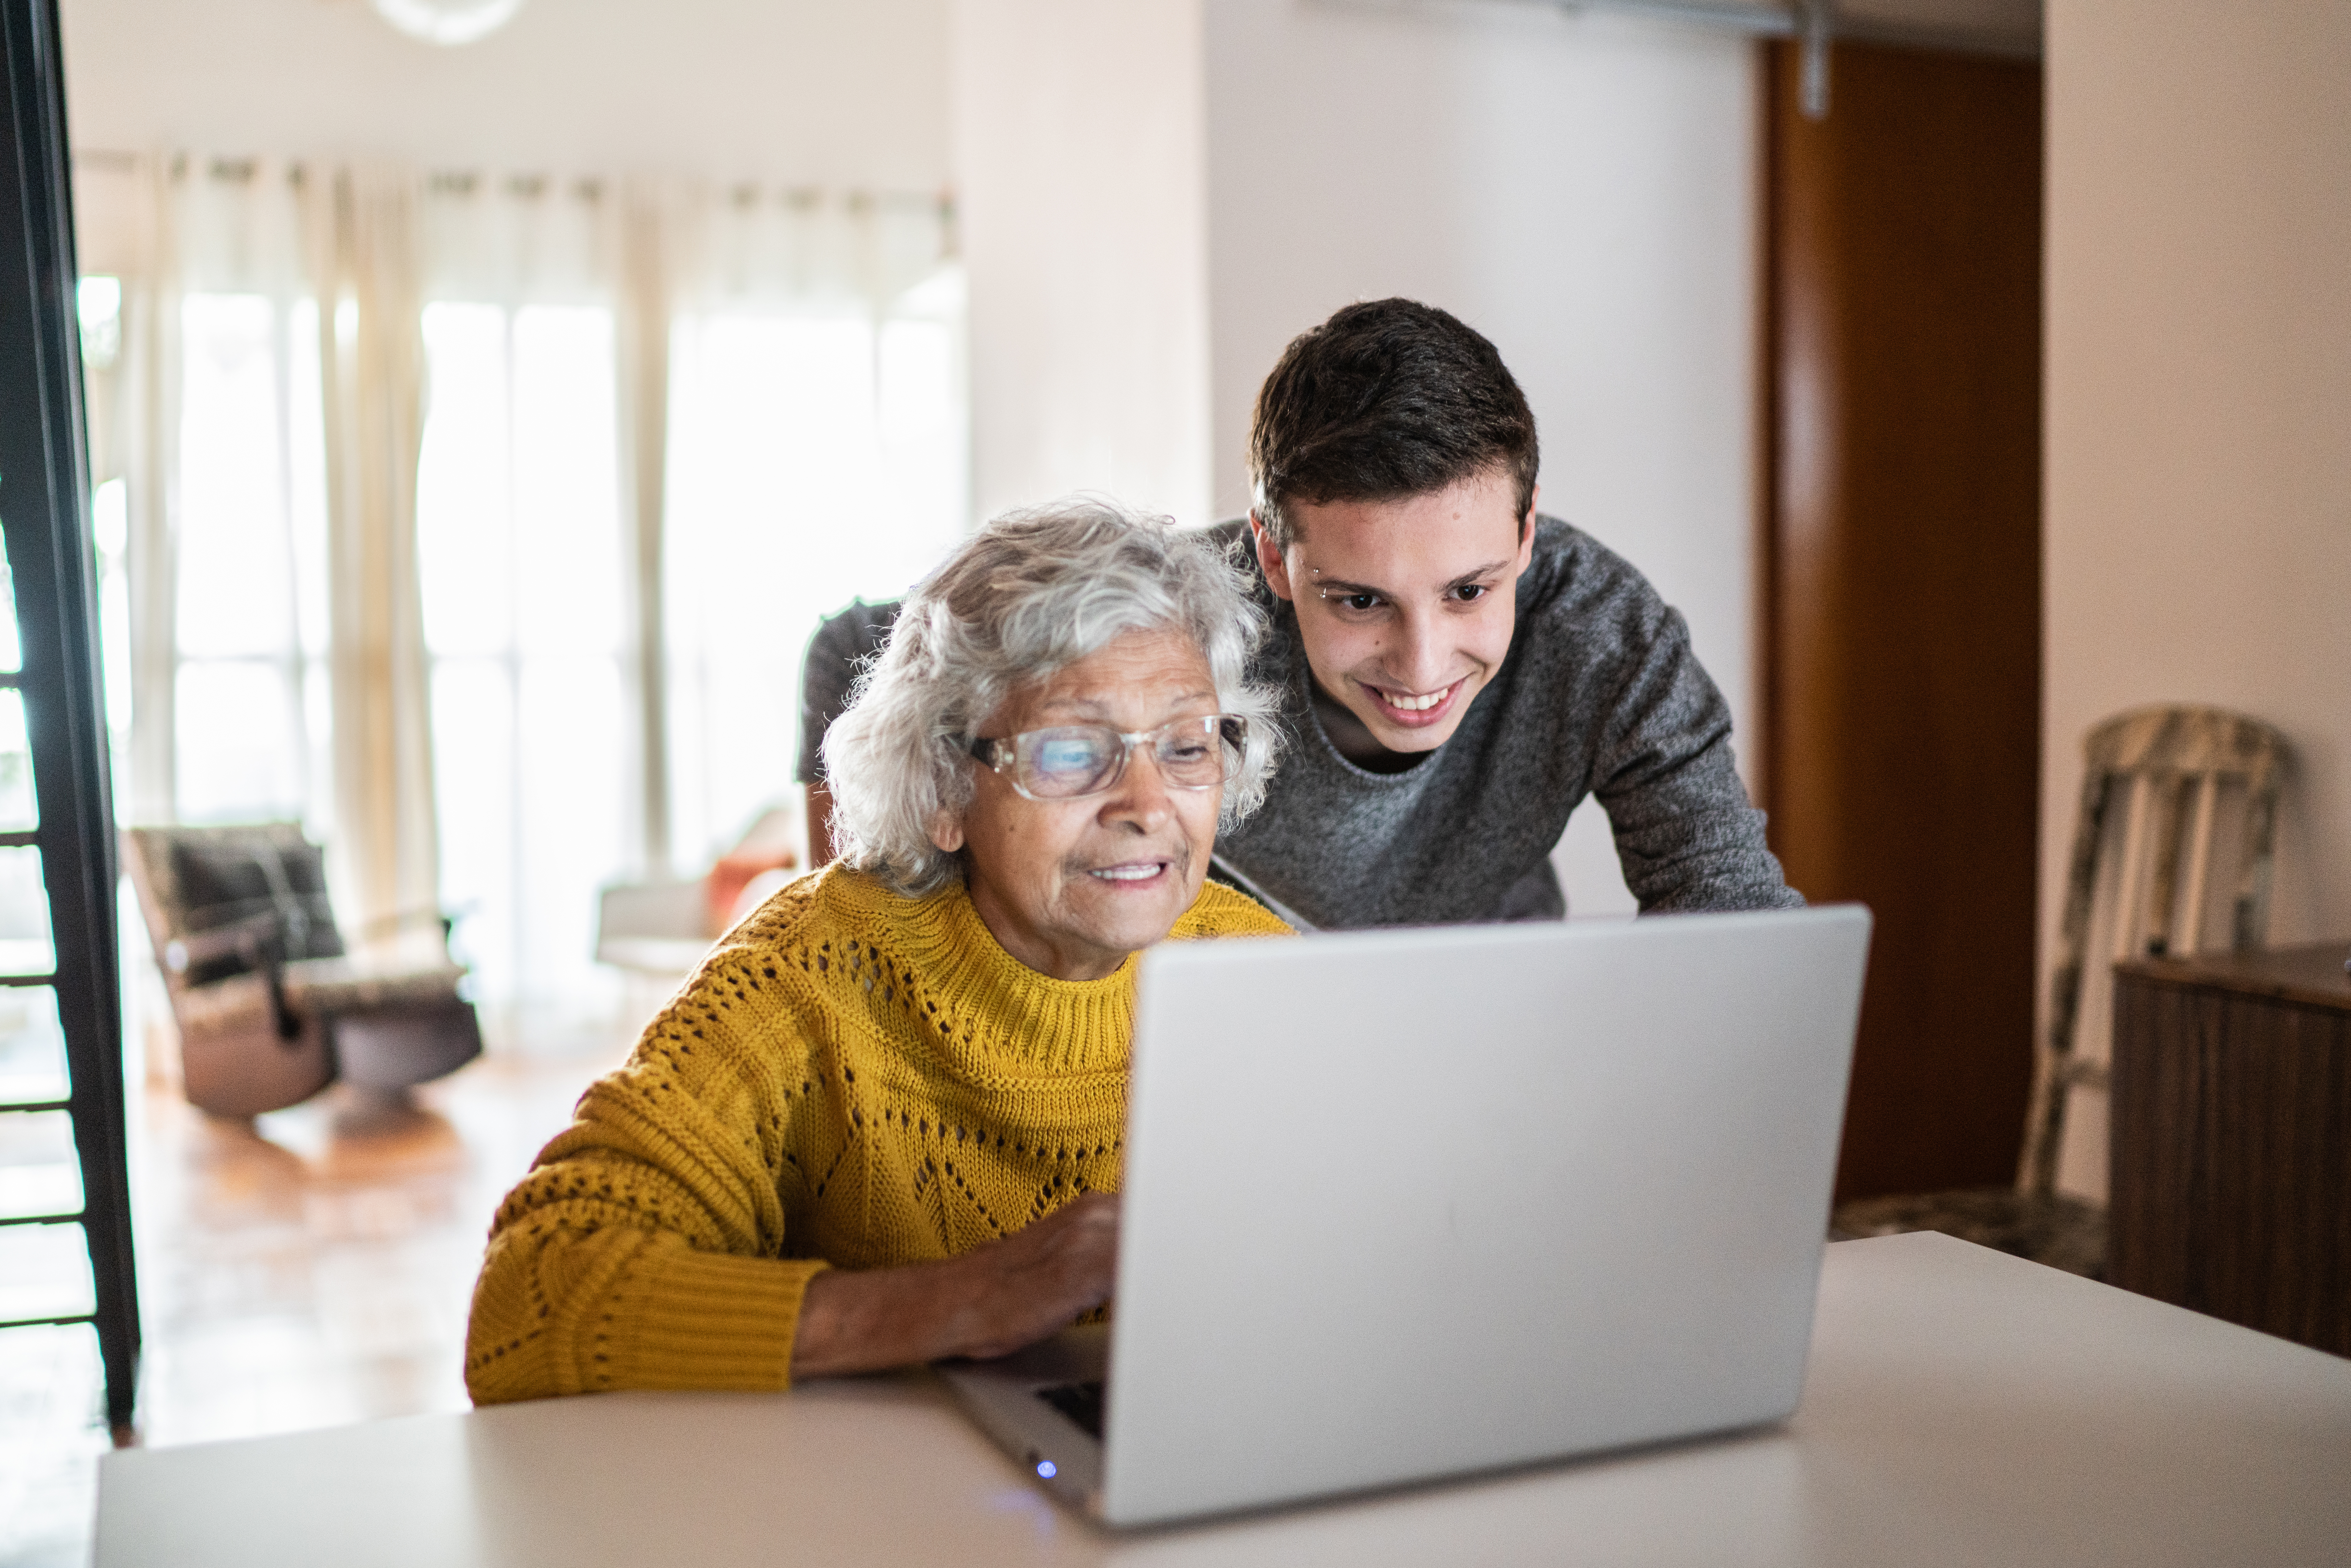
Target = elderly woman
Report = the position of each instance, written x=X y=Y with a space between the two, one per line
x=880 y=1124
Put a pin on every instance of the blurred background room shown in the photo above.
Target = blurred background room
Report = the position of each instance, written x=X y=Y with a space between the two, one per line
x=486 y=398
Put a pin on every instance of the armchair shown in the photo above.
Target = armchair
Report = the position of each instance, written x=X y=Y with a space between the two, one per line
x=271 y=1007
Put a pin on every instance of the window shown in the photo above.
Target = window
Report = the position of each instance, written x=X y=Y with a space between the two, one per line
x=815 y=450
x=519 y=551
x=812 y=459
x=250 y=612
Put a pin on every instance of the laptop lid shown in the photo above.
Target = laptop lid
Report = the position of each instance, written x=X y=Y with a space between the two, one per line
x=1400 y=1205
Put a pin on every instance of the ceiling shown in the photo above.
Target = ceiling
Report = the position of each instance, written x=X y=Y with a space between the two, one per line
x=785 y=90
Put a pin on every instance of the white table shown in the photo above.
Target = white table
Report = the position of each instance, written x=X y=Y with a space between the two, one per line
x=1962 y=1406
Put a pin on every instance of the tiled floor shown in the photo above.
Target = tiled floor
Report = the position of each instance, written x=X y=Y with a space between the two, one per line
x=309 y=1270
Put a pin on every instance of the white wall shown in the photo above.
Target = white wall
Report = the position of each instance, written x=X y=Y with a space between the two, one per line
x=1079 y=166
x=1581 y=189
x=774 y=90
x=2198 y=409
x=2198 y=520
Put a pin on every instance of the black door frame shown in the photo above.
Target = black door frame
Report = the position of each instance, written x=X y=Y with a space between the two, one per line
x=44 y=517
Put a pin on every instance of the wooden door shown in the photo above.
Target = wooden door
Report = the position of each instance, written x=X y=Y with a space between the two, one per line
x=1902 y=577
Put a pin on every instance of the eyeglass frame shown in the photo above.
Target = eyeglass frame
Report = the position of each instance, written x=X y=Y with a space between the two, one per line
x=1000 y=754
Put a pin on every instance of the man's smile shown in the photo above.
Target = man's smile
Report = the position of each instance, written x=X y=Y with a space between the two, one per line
x=1414 y=709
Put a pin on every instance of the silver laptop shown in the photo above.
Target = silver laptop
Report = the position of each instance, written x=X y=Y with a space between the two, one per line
x=1411 y=1204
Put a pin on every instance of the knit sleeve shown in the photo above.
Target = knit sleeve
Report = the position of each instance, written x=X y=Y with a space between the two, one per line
x=1687 y=836
x=644 y=1249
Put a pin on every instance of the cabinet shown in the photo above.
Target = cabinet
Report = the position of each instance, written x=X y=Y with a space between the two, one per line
x=2231 y=1138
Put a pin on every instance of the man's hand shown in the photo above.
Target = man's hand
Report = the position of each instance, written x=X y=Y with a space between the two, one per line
x=989 y=1301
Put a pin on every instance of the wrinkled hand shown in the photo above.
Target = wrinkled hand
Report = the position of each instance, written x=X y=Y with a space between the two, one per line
x=989 y=1301
x=1036 y=1281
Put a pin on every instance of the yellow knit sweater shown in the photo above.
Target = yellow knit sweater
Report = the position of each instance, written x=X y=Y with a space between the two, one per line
x=852 y=1077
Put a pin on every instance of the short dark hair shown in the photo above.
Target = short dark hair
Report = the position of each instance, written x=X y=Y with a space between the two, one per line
x=1387 y=399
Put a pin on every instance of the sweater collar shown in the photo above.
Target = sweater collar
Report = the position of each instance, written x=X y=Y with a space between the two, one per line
x=1002 y=1019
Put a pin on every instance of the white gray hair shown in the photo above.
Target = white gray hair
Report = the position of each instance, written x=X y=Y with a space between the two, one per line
x=1030 y=593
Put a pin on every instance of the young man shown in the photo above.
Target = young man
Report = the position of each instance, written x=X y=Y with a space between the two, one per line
x=1460 y=671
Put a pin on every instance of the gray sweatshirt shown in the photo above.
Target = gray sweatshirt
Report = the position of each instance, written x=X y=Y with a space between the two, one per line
x=1599 y=696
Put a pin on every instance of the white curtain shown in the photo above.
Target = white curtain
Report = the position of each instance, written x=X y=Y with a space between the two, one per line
x=525 y=580
x=261 y=449
x=362 y=260
x=816 y=453
x=218 y=433
x=480 y=520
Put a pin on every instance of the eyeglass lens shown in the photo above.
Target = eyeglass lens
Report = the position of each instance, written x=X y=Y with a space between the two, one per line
x=1081 y=759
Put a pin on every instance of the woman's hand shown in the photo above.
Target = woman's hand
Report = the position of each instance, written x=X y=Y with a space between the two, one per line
x=989 y=1301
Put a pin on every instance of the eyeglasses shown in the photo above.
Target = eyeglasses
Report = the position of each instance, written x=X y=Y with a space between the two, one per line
x=1072 y=760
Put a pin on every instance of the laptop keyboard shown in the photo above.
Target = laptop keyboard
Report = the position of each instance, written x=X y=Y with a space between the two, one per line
x=1081 y=1402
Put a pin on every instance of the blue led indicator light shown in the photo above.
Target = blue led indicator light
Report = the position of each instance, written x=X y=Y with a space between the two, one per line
x=1045 y=1469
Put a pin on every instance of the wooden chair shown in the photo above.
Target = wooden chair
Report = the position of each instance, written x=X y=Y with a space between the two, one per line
x=270 y=1006
x=2167 y=768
